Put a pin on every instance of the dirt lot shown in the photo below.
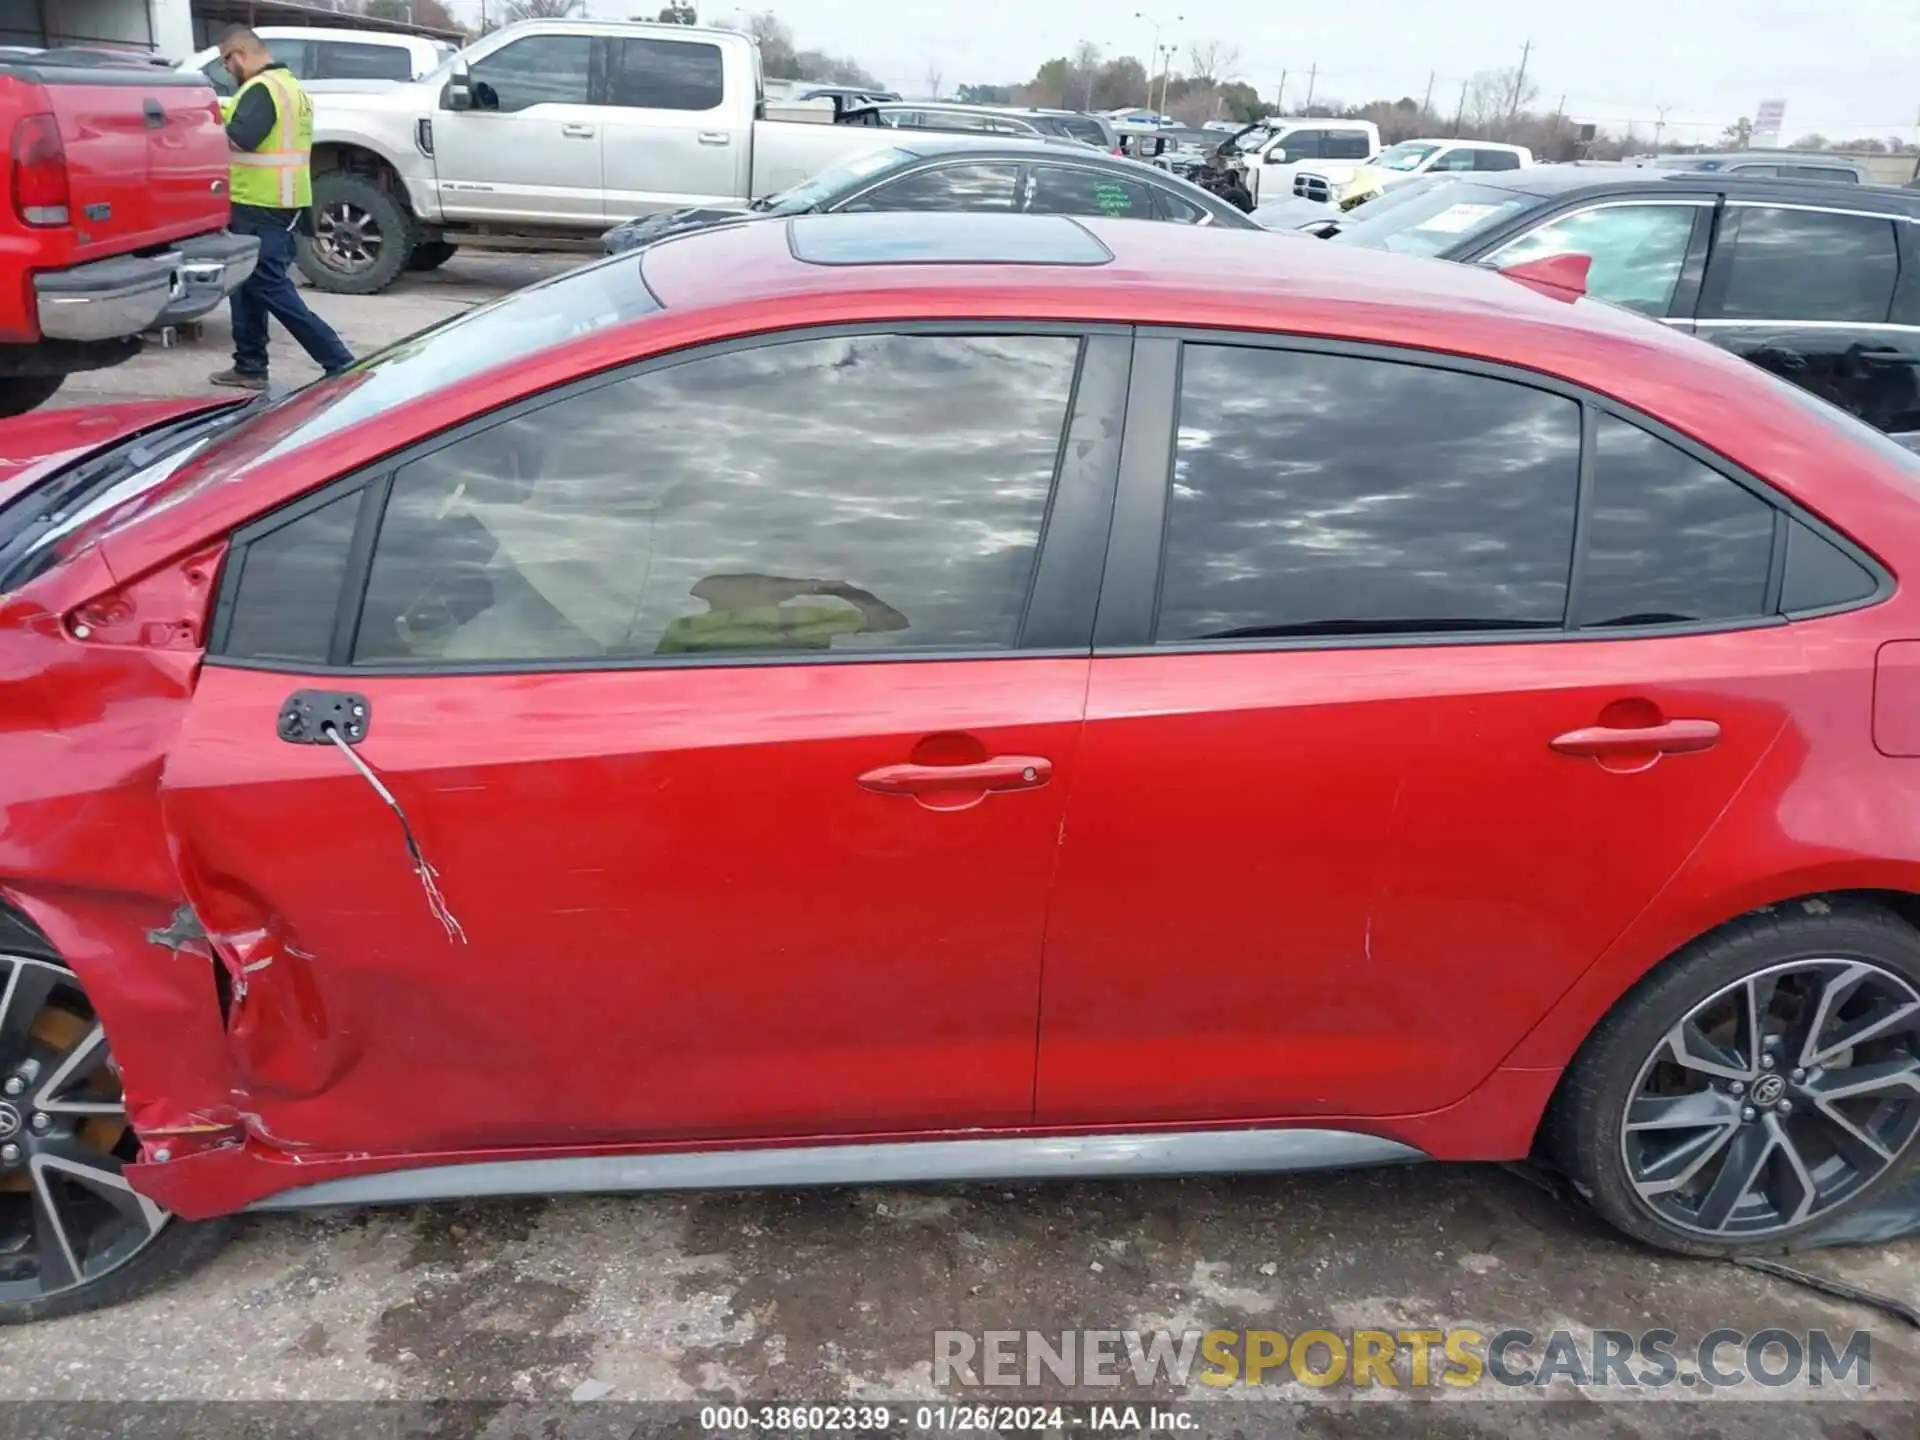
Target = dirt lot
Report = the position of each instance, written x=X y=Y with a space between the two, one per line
x=835 y=1296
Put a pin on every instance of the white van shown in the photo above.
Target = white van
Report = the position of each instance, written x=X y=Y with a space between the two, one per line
x=1276 y=150
x=321 y=53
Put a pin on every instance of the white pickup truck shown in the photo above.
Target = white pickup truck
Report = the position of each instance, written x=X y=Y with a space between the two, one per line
x=541 y=135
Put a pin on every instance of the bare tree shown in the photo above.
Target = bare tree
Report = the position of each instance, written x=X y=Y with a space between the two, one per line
x=1212 y=61
x=537 y=9
x=1494 y=95
x=936 y=80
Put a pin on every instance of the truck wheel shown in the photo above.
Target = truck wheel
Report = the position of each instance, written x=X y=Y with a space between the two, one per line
x=21 y=393
x=362 y=237
x=431 y=255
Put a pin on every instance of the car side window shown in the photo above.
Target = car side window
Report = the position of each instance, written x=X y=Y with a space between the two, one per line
x=1637 y=251
x=875 y=493
x=1768 y=170
x=1320 y=495
x=1455 y=160
x=345 y=60
x=539 y=70
x=947 y=187
x=1177 y=209
x=1785 y=264
x=1069 y=190
x=1822 y=172
x=1670 y=539
x=1495 y=160
x=665 y=75
x=1303 y=144
x=1345 y=145
x=289 y=584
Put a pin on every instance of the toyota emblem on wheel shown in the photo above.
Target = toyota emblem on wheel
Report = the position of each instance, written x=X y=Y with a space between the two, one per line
x=1768 y=1089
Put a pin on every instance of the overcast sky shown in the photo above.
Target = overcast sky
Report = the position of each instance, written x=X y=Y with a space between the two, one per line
x=1843 y=70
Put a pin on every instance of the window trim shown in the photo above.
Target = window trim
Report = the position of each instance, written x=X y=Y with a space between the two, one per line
x=1136 y=569
x=1062 y=588
x=928 y=166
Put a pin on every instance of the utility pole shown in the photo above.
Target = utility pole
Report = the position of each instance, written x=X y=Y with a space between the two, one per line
x=1280 y=104
x=1313 y=73
x=1520 y=80
x=1659 y=125
x=1426 y=105
x=1460 y=115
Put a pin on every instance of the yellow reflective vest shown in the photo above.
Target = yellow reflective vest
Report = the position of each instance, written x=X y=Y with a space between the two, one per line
x=278 y=175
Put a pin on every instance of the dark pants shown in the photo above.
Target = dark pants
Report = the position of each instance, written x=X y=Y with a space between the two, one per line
x=270 y=291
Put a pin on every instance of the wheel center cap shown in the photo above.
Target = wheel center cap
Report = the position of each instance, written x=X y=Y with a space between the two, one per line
x=9 y=1121
x=1768 y=1089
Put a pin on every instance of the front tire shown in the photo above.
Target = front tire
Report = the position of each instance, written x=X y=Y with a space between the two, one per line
x=74 y=1235
x=1756 y=1089
x=362 y=236
x=21 y=393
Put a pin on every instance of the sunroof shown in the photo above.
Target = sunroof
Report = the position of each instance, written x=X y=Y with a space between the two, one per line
x=943 y=239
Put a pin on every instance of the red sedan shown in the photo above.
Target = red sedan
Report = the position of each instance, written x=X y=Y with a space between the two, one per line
x=891 y=698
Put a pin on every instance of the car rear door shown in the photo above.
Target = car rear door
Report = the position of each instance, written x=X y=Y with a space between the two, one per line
x=1827 y=296
x=1374 y=767
x=673 y=138
x=728 y=709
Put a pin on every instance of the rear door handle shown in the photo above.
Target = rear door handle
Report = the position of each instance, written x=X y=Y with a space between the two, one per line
x=156 y=116
x=715 y=137
x=578 y=132
x=1002 y=772
x=1674 y=737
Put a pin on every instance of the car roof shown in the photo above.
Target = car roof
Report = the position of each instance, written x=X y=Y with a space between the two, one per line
x=1563 y=181
x=943 y=142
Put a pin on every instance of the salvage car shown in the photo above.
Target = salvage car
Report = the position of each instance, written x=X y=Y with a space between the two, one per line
x=1817 y=282
x=1060 y=698
x=968 y=173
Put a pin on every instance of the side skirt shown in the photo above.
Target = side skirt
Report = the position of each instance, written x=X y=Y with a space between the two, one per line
x=1199 y=1152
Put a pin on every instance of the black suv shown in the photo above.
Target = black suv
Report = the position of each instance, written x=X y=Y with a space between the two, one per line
x=1818 y=282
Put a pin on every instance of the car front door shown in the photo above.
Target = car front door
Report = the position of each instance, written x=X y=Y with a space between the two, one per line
x=728 y=711
x=1826 y=297
x=671 y=139
x=1372 y=769
x=529 y=150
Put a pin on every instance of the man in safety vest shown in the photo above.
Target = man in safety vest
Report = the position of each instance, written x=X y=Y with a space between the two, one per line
x=270 y=137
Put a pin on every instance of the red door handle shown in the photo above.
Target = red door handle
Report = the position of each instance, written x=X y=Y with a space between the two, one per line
x=1674 y=737
x=1001 y=772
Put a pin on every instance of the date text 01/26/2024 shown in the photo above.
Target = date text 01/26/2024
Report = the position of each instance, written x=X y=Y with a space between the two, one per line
x=921 y=1419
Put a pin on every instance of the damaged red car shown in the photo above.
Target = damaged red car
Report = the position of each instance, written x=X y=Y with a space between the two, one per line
x=923 y=698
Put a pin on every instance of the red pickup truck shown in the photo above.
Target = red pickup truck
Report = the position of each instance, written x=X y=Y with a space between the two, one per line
x=115 y=215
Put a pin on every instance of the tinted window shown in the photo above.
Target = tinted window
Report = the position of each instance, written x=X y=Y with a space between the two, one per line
x=947 y=187
x=1495 y=160
x=1303 y=144
x=290 y=586
x=665 y=75
x=1637 y=251
x=1821 y=172
x=1772 y=170
x=1808 y=265
x=1329 y=495
x=1456 y=160
x=338 y=60
x=873 y=492
x=540 y=70
x=1088 y=128
x=1063 y=190
x=1670 y=539
x=1345 y=145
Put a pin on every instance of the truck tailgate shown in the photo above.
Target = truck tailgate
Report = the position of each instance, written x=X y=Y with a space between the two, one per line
x=146 y=158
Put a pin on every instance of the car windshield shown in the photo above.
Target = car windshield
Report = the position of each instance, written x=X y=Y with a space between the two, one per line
x=830 y=184
x=1431 y=221
x=1405 y=156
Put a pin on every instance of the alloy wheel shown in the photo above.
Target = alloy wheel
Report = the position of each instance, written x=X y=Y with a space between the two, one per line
x=1776 y=1099
x=347 y=237
x=68 y=1216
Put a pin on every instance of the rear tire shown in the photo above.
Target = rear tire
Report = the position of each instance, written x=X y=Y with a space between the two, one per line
x=430 y=255
x=1696 y=1128
x=21 y=393
x=363 y=237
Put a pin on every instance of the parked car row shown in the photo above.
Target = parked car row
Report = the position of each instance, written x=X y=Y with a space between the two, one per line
x=1098 y=605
